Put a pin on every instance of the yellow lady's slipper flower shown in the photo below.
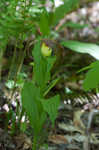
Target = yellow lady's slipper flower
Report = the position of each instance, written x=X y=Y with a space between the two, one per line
x=45 y=50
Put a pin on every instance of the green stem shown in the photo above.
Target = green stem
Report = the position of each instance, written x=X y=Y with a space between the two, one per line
x=12 y=63
x=53 y=83
x=1 y=56
x=34 y=143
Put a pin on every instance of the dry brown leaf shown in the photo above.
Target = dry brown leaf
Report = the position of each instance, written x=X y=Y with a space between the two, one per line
x=58 y=139
x=23 y=141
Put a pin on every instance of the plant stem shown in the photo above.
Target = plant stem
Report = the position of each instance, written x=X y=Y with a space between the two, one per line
x=34 y=144
x=13 y=62
x=1 y=56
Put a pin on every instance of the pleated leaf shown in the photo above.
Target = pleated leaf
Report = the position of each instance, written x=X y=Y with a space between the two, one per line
x=51 y=107
x=33 y=106
x=42 y=67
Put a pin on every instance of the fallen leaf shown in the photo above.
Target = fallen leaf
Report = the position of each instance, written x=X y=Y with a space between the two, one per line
x=58 y=139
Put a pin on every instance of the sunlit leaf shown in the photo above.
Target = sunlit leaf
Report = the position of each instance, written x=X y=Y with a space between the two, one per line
x=80 y=47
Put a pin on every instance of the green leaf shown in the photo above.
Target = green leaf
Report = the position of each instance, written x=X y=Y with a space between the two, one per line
x=32 y=105
x=51 y=106
x=92 y=77
x=88 y=67
x=73 y=25
x=50 y=62
x=44 y=23
x=23 y=126
x=80 y=47
x=51 y=85
x=51 y=18
x=62 y=10
x=76 y=25
x=42 y=67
